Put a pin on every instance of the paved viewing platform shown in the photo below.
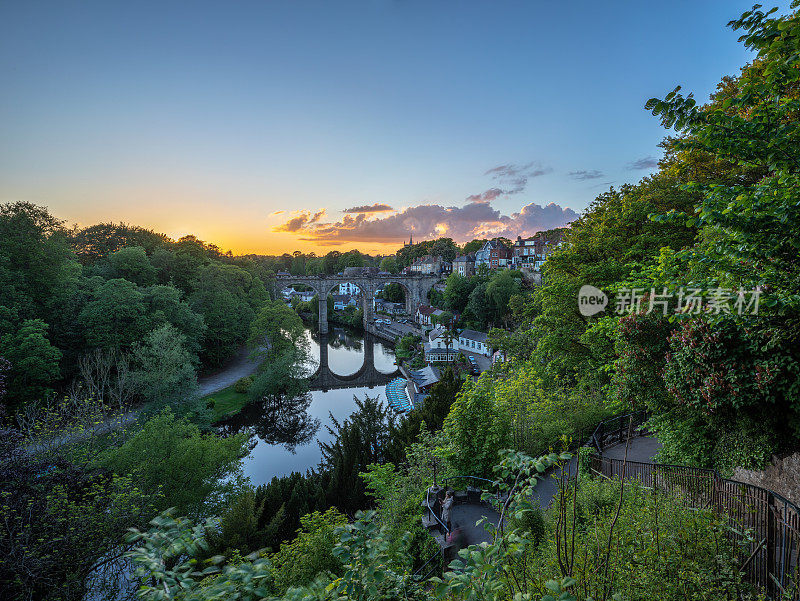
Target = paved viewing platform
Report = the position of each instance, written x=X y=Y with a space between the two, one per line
x=468 y=509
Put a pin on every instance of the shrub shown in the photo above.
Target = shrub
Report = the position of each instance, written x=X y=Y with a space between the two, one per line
x=243 y=385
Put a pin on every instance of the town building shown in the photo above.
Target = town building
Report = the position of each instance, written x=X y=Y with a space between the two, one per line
x=494 y=254
x=421 y=381
x=441 y=346
x=464 y=265
x=302 y=295
x=473 y=342
x=430 y=265
x=389 y=307
x=342 y=301
x=425 y=313
x=500 y=257
x=349 y=288
x=527 y=251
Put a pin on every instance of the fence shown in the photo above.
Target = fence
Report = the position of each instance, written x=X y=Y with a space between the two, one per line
x=763 y=521
x=614 y=431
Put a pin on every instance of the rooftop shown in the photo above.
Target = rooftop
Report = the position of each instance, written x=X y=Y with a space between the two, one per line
x=473 y=335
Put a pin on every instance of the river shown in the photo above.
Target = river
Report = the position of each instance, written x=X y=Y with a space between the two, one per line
x=284 y=436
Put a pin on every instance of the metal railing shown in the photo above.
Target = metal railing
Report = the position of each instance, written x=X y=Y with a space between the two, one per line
x=614 y=430
x=763 y=521
x=432 y=511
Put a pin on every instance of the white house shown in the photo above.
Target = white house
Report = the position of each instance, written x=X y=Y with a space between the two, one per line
x=349 y=289
x=473 y=342
x=440 y=347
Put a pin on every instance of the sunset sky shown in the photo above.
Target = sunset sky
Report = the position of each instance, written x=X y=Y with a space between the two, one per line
x=272 y=126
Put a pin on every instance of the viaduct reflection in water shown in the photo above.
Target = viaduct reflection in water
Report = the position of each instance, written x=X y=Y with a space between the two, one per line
x=282 y=430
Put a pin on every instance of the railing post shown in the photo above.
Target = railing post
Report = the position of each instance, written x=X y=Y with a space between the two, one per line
x=770 y=547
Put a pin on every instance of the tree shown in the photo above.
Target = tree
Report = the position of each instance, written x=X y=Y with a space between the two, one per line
x=279 y=327
x=104 y=375
x=473 y=246
x=170 y=458
x=33 y=258
x=741 y=370
x=96 y=242
x=166 y=307
x=477 y=310
x=361 y=439
x=115 y=315
x=501 y=287
x=430 y=415
x=221 y=300
x=476 y=428
x=389 y=264
x=394 y=293
x=457 y=290
x=163 y=367
x=283 y=375
x=63 y=518
x=34 y=363
x=310 y=553
x=257 y=295
x=131 y=263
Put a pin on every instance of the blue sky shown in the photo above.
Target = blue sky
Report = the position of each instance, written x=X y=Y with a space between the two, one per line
x=229 y=119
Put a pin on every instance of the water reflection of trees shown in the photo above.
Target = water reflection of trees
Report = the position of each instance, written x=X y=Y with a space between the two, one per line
x=339 y=337
x=276 y=421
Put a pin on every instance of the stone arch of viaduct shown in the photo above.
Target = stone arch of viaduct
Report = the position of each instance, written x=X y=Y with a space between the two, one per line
x=366 y=376
x=416 y=289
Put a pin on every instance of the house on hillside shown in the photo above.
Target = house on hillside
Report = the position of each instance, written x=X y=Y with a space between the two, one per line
x=494 y=254
x=349 y=288
x=473 y=342
x=430 y=265
x=500 y=257
x=440 y=346
x=342 y=301
x=425 y=313
x=464 y=265
x=527 y=251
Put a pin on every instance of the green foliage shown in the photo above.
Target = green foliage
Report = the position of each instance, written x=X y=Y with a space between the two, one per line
x=357 y=442
x=394 y=293
x=163 y=369
x=599 y=541
x=243 y=384
x=655 y=548
x=115 y=315
x=278 y=326
x=310 y=553
x=517 y=407
x=441 y=247
x=34 y=362
x=638 y=380
x=62 y=517
x=131 y=263
x=169 y=457
x=407 y=346
x=389 y=264
x=477 y=428
x=281 y=376
x=221 y=298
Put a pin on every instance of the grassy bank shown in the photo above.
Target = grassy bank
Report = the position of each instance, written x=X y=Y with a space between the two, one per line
x=227 y=402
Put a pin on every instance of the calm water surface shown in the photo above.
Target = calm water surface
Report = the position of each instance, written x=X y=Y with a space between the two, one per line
x=284 y=436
